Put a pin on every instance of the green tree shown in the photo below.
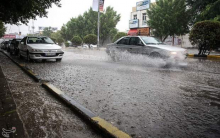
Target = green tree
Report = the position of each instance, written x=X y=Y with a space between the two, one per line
x=109 y=20
x=2 y=29
x=113 y=32
x=206 y=36
x=90 y=39
x=47 y=32
x=15 y=11
x=71 y=28
x=119 y=35
x=91 y=18
x=76 y=40
x=57 y=37
x=168 y=18
x=203 y=10
x=87 y=24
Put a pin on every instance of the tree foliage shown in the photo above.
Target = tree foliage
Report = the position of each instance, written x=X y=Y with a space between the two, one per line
x=15 y=11
x=76 y=40
x=47 y=31
x=201 y=10
x=2 y=29
x=119 y=35
x=109 y=21
x=168 y=18
x=67 y=44
x=90 y=39
x=205 y=35
x=87 y=24
x=57 y=37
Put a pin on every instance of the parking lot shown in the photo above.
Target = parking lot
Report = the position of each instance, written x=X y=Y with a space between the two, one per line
x=137 y=94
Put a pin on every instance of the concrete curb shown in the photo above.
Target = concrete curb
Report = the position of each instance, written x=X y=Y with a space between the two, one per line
x=203 y=56
x=100 y=123
x=24 y=68
x=97 y=121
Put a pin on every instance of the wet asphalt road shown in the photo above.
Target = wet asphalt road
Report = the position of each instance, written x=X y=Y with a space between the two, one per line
x=138 y=95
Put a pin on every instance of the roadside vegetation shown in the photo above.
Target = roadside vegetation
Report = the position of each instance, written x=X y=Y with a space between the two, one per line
x=76 y=40
x=2 y=29
x=206 y=35
x=90 y=39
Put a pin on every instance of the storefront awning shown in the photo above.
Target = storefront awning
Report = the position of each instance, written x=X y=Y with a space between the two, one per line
x=133 y=32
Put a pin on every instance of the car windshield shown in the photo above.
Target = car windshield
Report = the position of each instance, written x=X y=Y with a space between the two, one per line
x=39 y=40
x=151 y=40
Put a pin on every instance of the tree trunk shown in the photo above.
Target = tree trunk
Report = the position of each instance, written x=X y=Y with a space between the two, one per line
x=173 y=40
x=163 y=39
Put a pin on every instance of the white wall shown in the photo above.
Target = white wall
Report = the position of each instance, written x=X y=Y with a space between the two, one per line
x=139 y=16
x=181 y=41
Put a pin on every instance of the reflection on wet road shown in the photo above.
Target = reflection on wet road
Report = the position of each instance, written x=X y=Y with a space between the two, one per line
x=138 y=95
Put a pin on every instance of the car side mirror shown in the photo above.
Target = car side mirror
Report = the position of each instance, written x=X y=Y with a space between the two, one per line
x=22 y=43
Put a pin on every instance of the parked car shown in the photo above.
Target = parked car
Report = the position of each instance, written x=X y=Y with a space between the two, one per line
x=145 y=45
x=39 y=48
x=4 y=45
x=8 y=46
x=87 y=46
x=14 y=46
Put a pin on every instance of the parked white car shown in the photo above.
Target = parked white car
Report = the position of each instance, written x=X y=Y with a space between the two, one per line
x=91 y=46
x=43 y=47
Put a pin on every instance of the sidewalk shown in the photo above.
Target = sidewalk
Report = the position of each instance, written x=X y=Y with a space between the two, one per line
x=195 y=51
x=41 y=113
x=9 y=119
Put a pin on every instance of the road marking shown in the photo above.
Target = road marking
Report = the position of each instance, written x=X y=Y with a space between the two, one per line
x=110 y=128
x=53 y=88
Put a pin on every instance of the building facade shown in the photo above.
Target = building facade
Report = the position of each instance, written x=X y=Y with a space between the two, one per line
x=138 y=19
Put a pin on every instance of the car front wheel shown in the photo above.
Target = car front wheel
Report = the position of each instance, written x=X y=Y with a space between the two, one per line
x=28 y=57
x=19 y=54
x=155 y=55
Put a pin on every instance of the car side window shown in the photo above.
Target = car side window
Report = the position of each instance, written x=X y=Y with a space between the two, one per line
x=124 y=41
x=136 y=41
x=24 y=40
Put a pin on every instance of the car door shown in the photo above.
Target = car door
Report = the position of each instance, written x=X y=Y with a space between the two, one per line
x=22 y=48
x=123 y=44
x=136 y=45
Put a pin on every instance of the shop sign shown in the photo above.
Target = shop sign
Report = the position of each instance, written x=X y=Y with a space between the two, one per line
x=143 y=5
x=134 y=23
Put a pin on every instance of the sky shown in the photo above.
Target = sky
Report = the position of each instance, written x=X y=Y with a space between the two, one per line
x=73 y=8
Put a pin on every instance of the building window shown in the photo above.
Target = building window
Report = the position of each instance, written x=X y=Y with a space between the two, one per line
x=144 y=19
x=135 y=17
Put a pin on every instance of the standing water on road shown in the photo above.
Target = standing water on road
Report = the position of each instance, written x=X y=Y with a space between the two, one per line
x=138 y=95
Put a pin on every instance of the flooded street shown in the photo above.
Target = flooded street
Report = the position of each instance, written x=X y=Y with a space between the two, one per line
x=138 y=94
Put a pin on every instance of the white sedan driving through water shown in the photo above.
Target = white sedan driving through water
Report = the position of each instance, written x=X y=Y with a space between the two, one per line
x=146 y=45
x=42 y=47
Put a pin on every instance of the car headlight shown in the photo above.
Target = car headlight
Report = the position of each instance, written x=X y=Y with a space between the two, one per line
x=35 y=50
x=173 y=53
x=59 y=50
